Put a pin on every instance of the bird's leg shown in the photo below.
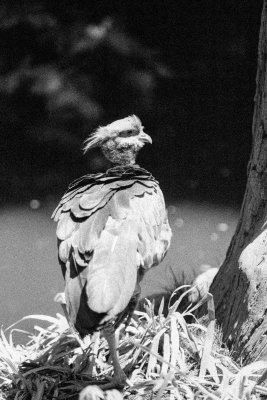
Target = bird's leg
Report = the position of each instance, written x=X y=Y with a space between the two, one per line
x=61 y=299
x=119 y=377
x=93 y=392
x=92 y=357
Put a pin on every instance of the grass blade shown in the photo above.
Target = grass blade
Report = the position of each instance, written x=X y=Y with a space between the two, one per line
x=154 y=351
x=166 y=354
x=206 y=356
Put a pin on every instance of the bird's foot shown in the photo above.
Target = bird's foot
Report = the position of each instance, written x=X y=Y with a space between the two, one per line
x=117 y=381
x=96 y=393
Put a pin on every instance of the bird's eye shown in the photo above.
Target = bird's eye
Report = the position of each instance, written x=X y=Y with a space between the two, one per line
x=129 y=132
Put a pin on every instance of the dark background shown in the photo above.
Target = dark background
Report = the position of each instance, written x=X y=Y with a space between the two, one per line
x=186 y=68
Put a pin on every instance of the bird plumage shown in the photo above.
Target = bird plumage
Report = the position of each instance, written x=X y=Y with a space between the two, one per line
x=126 y=127
x=112 y=226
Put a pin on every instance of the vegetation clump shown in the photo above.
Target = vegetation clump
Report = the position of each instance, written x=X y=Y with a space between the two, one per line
x=172 y=356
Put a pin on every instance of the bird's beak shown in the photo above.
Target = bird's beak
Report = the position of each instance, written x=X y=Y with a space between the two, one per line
x=145 y=137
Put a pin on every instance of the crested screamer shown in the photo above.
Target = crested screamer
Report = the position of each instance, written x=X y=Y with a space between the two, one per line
x=112 y=227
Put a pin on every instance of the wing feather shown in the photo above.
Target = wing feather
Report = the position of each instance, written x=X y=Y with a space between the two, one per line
x=66 y=226
x=90 y=230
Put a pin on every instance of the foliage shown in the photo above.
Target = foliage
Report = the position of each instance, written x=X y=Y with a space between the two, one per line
x=161 y=354
x=187 y=70
x=59 y=79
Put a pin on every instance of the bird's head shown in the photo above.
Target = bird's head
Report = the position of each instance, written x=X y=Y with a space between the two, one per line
x=119 y=141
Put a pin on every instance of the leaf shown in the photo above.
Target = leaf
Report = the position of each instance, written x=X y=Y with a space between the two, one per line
x=44 y=368
x=161 y=307
x=187 y=332
x=206 y=356
x=176 y=356
x=238 y=387
x=174 y=307
x=166 y=354
x=226 y=376
x=12 y=366
x=211 y=307
x=7 y=348
x=177 y=394
x=163 y=387
x=40 y=391
x=211 y=367
x=41 y=317
x=187 y=391
x=154 y=351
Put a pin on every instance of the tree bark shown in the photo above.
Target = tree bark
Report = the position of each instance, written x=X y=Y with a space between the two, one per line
x=240 y=287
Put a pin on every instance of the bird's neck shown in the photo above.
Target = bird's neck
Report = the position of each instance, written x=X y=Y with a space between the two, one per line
x=123 y=156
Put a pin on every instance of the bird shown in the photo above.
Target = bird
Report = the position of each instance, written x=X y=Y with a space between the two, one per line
x=111 y=228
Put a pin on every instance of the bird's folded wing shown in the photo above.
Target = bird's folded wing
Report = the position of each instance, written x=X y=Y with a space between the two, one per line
x=89 y=203
x=112 y=272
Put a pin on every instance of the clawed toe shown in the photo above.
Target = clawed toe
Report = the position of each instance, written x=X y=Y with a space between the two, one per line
x=91 y=393
x=96 y=393
x=113 y=384
x=117 y=381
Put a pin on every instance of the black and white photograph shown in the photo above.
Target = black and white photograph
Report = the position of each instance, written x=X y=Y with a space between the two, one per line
x=133 y=200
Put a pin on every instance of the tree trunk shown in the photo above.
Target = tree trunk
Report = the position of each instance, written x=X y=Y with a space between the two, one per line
x=240 y=287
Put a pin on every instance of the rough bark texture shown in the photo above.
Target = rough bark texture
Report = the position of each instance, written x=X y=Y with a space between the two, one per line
x=240 y=287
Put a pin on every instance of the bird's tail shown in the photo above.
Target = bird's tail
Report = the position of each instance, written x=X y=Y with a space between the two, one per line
x=112 y=272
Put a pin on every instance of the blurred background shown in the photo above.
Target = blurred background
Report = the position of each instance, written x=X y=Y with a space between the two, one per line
x=186 y=68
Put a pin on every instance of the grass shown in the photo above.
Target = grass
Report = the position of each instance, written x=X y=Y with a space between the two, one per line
x=163 y=355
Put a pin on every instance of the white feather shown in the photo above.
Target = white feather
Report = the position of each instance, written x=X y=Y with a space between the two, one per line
x=104 y=133
x=112 y=275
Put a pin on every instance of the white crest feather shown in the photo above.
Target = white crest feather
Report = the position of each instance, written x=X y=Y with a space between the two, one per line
x=104 y=133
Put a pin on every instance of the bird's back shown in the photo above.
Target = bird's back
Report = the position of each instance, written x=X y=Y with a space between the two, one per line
x=111 y=226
